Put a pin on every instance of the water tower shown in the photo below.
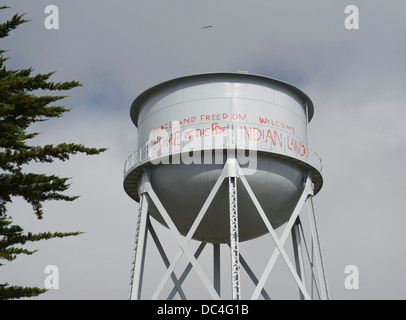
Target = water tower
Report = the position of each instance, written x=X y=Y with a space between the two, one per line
x=222 y=159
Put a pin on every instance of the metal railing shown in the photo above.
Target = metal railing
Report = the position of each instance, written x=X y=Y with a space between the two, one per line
x=146 y=152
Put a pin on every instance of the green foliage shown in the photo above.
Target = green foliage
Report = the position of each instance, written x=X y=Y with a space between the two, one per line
x=13 y=292
x=11 y=24
x=13 y=235
x=20 y=107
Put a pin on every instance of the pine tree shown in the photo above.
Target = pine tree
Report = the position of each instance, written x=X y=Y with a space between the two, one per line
x=20 y=107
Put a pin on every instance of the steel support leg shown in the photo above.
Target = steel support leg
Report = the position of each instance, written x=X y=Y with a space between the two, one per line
x=234 y=244
x=318 y=254
x=297 y=249
x=139 y=250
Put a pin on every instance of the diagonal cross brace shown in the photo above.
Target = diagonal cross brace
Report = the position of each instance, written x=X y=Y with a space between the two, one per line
x=161 y=251
x=282 y=240
x=279 y=242
x=187 y=270
x=183 y=242
x=229 y=166
x=252 y=276
x=183 y=246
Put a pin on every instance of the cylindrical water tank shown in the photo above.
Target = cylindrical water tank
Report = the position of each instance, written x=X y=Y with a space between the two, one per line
x=186 y=129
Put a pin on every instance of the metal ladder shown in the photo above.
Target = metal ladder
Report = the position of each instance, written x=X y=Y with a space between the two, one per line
x=137 y=233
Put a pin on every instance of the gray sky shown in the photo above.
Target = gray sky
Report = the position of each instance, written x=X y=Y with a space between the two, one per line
x=117 y=49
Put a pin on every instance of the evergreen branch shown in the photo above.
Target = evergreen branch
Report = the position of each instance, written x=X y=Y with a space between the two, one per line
x=10 y=254
x=11 y=24
x=15 y=83
x=9 y=158
x=34 y=189
x=13 y=235
x=16 y=292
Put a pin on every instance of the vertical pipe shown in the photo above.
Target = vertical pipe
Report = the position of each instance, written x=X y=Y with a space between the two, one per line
x=234 y=246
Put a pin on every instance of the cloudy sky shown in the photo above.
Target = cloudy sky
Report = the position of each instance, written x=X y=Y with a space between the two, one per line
x=117 y=49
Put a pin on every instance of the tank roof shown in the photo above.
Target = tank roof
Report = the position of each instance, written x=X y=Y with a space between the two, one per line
x=222 y=77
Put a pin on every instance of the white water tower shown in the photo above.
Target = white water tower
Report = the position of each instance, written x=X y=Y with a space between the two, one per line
x=225 y=158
